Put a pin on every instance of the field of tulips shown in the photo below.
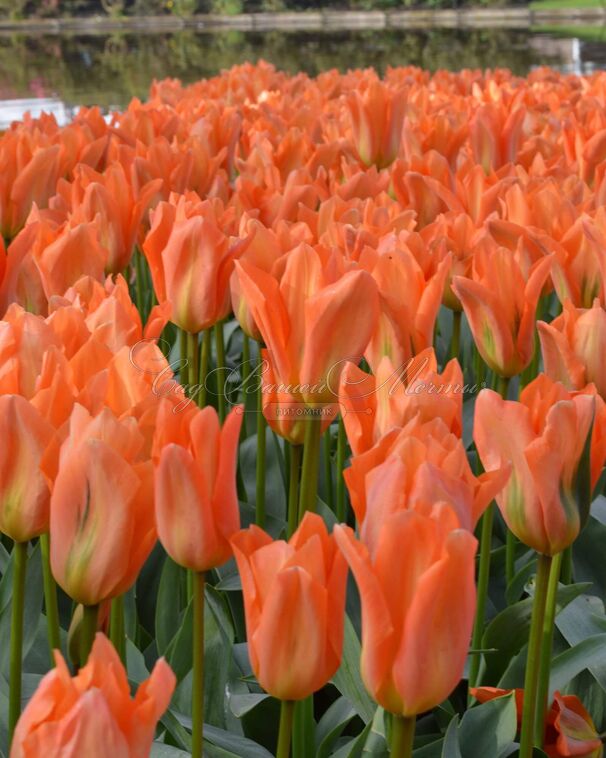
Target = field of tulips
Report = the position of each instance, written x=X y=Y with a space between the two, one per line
x=302 y=420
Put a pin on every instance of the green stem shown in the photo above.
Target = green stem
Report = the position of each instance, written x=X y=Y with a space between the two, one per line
x=260 y=468
x=341 y=453
x=193 y=354
x=197 y=694
x=50 y=599
x=566 y=573
x=546 y=647
x=510 y=556
x=503 y=386
x=308 y=494
x=296 y=452
x=16 y=644
x=117 y=632
x=483 y=579
x=220 y=347
x=139 y=283
x=245 y=370
x=88 y=629
x=204 y=361
x=455 y=343
x=184 y=368
x=402 y=736
x=287 y=709
x=326 y=449
x=533 y=661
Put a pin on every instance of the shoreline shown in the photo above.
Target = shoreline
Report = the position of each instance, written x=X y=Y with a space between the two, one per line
x=466 y=18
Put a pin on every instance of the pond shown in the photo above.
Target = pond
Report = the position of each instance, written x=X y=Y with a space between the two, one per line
x=58 y=73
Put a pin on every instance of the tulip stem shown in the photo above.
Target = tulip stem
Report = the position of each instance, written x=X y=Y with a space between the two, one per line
x=503 y=386
x=296 y=452
x=16 y=649
x=50 y=599
x=260 y=468
x=455 y=343
x=197 y=693
x=245 y=372
x=117 y=634
x=326 y=447
x=308 y=494
x=341 y=452
x=402 y=736
x=220 y=348
x=88 y=629
x=193 y=355
x=566 y=574
x=287 y=710
x=204 y=361
x=533 y=661
x=546 y=647
x=483 y=579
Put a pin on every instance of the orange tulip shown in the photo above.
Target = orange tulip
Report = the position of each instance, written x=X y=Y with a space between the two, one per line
x=93 y=714
x=377 y=117
x=24 y=492
x=418 y=607
x=409 y=301
x=294 y=599
x=574 y=345
x=101 y=511
x=191 y=260
x=500 y=304
x=195 y=480
x=372 y=405
x=306 y=320
x=409 y=467
x=542 y=436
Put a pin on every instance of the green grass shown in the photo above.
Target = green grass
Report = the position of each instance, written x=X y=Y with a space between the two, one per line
x=585 y=33
x=553 y=5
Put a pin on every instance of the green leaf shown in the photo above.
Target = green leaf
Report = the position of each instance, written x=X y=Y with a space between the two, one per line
x=233 y=744
x=331 y=725
x=167 y=751
x=243 y=703
x=508 y=631
x=489 y=729
x=376 y=741
x=584 y=618
x=348 y=680
x=450 y=748
x=32 y=607
x=588 y=653
x=167 y=604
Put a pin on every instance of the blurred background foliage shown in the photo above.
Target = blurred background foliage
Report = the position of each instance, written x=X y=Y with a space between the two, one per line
x=108 y=69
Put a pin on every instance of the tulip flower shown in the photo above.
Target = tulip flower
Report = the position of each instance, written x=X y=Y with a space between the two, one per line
x=377 y=117
x=422 y=462
x=197 y=511
x=418 y=609
x=374 y=404
x=294 y=599
x=305 y=320
x=191 y=260
x=500 y=304
x=573 y=346
x=24 y=491
x=102 y=481
x=542 y=436
x=195 y=481
x=92 y=713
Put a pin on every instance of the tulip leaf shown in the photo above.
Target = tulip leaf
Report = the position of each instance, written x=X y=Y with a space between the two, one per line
x=348 y=680
x=166 y=751
x=32 y=612
x=588 y=554
x=330 y=727
x=584 y=655
x=508 y=632
x=584 y=618
x=450 y=748
x=376 y=742
x=489 y=729
x=242 y=703
x=232 y=744
x=167 y=604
